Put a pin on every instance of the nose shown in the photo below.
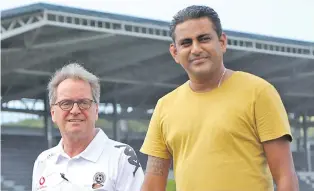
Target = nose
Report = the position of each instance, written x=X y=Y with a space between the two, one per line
x=75 y=109
x=196 y=48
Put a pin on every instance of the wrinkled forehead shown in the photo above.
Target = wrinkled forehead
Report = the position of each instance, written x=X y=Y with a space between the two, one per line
x=74 y=89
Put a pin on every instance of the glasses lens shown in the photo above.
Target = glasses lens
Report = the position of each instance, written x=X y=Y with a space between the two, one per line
x=85 y=103
x=66 y=104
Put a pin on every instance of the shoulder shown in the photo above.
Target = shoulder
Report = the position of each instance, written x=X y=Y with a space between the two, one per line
x=251 y=79
x=173 y=95
x=252 y=83
x=125 y=153
x=119 y=148
x=116 y=145
x=47 y=154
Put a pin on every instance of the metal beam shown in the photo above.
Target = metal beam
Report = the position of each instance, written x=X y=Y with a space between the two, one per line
x=163 y=76
x=304 y=106
x=132 y=56
x=300 y=94
x=137 y=113
x=32 y=91
x=236 y=55
x=30 y=38
x=29 y=111
x=138 y=82
x=58 y=44
x=298 y=124
x=18 y=26
x=268 y=71
x=36 y=54
x=297 y=89
x=154 y=69
x=292 y=78
x=102 y=79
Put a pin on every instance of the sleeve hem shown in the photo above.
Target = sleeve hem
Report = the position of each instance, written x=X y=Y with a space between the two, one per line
x=273 y=137
x=155 y=154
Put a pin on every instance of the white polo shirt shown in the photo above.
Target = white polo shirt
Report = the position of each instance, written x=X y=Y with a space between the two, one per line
x=105 y=164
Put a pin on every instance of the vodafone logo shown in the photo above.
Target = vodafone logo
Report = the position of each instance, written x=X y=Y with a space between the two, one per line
x=41 y=181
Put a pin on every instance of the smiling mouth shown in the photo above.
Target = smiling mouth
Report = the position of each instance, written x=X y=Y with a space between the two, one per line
x=198 y=60
x=75 y=120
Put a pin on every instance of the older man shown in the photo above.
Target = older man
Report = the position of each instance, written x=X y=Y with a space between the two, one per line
x=85 y=158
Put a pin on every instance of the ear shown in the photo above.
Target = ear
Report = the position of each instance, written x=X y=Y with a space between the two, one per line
x=53 y=114
x=174 y=52
x=223 y=42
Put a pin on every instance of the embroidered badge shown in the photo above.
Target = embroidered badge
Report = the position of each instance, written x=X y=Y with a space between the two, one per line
x=99 y=179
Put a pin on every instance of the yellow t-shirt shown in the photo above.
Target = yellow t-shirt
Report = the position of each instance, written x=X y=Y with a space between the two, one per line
x=215 y=138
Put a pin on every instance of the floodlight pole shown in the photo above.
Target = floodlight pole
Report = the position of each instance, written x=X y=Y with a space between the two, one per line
x=115 y=120
x=306 y=144
x=48 y=122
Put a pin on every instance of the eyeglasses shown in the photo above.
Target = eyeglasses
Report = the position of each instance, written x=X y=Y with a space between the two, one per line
x=67 y=105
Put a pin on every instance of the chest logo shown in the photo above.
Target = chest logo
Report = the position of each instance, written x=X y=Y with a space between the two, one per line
x=42 y=181
x=99 y=179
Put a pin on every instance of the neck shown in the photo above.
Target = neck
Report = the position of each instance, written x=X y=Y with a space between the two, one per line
x=73 y=146
x=209 y=82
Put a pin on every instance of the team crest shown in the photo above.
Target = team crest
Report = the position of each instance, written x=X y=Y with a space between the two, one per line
x=99 y=179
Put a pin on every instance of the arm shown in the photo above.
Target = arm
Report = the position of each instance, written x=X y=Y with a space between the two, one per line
x=156 y=175
x=281 y=165
x=274 y=132
x=159 y=156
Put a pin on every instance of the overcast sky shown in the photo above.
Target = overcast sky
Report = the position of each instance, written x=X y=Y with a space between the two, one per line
x=280 y=18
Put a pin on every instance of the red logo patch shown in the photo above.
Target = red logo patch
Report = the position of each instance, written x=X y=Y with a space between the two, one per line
x=42 y=181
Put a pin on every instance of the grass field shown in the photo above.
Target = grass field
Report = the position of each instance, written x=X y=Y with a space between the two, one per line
x=171 y=185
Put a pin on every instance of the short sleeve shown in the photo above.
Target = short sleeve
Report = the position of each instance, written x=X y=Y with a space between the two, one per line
x=130 y=173
x=271 y=117
x=154 y=142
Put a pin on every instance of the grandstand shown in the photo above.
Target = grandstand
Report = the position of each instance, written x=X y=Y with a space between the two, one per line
x=131 y=57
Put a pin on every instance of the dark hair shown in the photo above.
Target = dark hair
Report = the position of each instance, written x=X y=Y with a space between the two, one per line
x=195 y=12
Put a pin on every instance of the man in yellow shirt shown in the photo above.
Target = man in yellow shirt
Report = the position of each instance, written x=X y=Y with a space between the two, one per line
x=224 y=130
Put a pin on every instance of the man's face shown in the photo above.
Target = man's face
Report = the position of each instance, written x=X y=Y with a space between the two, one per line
x=76 y=122
x=198 y=48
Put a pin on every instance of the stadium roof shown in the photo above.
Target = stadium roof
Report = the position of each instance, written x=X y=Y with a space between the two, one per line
x=44 y=6
x=130 y=55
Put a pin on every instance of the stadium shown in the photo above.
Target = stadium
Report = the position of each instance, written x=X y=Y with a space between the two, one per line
x=131 y=57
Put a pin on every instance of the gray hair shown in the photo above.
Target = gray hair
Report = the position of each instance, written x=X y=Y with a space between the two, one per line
x=73 y=71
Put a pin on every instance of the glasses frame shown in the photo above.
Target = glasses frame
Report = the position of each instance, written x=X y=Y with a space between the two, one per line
x=75 y=102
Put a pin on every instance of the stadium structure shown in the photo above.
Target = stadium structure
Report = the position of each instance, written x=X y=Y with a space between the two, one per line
x=130 y=55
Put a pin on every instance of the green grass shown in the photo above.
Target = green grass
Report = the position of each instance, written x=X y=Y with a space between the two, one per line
x=171 y=185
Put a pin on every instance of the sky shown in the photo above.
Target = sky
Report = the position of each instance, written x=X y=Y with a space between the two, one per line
x=278 y=18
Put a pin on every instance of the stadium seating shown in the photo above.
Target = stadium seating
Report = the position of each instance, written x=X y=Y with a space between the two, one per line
x=308 y=179
x=10 y=185
x=17 y=159
x=300 y=160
